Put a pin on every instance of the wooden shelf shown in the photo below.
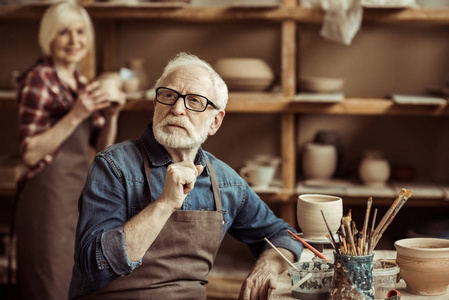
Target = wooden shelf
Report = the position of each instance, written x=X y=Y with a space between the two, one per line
x=277 y=103
x=206 y=14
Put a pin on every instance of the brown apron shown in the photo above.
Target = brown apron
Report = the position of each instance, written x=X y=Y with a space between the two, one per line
x=177 y=263
x=47 y=213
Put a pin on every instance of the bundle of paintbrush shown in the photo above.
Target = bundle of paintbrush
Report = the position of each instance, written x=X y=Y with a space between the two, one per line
x=352 y=241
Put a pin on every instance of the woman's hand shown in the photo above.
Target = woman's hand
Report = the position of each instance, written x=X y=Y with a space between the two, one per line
x=90 y=100
x=116 y=106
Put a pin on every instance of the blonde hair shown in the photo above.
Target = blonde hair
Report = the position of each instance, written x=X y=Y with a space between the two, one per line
x=186 y=60
x=58 y=17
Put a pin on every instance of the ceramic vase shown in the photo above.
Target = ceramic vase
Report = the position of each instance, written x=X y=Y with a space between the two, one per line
x=136 y=65
x=374 y=169
x=310 y=219
x=424 y=265
x=319 y=161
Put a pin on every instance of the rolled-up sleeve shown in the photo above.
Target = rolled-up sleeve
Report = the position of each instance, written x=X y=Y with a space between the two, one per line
x=100 y=252
x=255 y=221
x=113 y=250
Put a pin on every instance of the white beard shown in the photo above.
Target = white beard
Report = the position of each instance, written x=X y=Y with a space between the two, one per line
x=172 y=139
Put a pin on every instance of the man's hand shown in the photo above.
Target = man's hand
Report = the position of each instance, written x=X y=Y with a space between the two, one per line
x=256 y=285
x=264 y=275
x=180 y=179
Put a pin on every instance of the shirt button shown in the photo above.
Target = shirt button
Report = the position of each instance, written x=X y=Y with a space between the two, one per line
x=103 y=263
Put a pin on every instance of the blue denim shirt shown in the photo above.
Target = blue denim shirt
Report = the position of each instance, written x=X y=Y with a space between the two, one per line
x=115 y=190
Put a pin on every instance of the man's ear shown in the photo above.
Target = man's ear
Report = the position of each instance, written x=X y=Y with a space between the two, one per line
x=217 y=122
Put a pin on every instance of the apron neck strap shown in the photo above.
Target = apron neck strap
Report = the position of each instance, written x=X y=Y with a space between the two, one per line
x=147 y=168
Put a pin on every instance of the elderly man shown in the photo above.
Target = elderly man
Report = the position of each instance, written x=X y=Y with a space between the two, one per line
x=154 y=211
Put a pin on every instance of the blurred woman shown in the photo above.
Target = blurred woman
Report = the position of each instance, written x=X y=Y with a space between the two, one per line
x=60 y=116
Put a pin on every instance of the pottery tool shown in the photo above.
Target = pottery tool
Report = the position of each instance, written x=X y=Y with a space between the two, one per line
x=365 y=223
x=331 y=238
x=315 y=251
x=390 y=214
x=301 y=281
x=282 y=255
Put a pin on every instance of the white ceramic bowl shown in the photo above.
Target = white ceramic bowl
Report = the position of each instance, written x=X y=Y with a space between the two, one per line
x=245 y=74
x=424 y=264
x=310 y=219
x=320 y=84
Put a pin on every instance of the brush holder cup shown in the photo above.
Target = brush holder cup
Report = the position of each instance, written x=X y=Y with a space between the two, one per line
x=310 y=219
x=353 y=277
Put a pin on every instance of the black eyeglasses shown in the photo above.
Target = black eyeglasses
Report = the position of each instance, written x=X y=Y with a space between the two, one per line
x=192 y=102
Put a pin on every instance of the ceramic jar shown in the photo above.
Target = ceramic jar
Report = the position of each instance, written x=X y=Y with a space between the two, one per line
x=136 y=65
x=310 y=219
x=424 y=265
x=374 y=169
x=319 y=161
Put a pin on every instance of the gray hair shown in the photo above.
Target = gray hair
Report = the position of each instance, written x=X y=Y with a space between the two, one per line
x=58 y=17
x=185 y=60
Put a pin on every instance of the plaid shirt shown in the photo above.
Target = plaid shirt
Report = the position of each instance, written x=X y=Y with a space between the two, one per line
x=43 y=99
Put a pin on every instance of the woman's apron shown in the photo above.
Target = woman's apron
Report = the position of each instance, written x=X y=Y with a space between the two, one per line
x=47 y=214
x=177 y=263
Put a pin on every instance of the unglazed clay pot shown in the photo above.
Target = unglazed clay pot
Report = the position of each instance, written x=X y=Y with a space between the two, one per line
x=424 y=264
x=245 y=74
x=319 y=161
x=374 y=169
x=309 y=216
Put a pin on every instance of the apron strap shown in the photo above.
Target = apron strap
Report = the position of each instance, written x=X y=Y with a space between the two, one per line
x=146 y=165
x=215 y=186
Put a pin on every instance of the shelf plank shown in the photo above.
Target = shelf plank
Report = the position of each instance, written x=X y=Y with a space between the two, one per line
x=277 y=103
x=206 y=14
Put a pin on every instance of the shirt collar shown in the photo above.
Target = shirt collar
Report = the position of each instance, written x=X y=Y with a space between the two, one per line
x=157 y=154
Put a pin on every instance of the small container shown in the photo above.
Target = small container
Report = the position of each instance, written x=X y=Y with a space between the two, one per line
x=316 y=287
x=385 y=277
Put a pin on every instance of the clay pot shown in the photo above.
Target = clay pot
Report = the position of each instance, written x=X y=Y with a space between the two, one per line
x=245 y=74
x=374 y=169
x=309 y=215
x=111 y=82
x=424 y=264
x=319 y=161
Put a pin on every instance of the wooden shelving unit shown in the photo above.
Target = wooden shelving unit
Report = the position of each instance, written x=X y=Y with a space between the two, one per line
x=289 y=16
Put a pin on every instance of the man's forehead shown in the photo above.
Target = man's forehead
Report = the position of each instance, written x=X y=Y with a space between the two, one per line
x=190 y=79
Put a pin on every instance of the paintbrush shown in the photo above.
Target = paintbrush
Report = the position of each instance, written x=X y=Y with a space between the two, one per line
x=402 y=197
x=280 y=253
x=347 y=223
x=332 y=240
x=365 y=223
x=315 y=251
x=407 y=194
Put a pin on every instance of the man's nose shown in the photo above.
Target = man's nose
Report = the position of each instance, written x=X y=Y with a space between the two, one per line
x=179 y=107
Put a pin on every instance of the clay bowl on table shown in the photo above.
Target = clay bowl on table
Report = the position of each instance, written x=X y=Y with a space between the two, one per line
x=310 y=219
x=245 y=74
x=424 y=264
x=311 y=84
